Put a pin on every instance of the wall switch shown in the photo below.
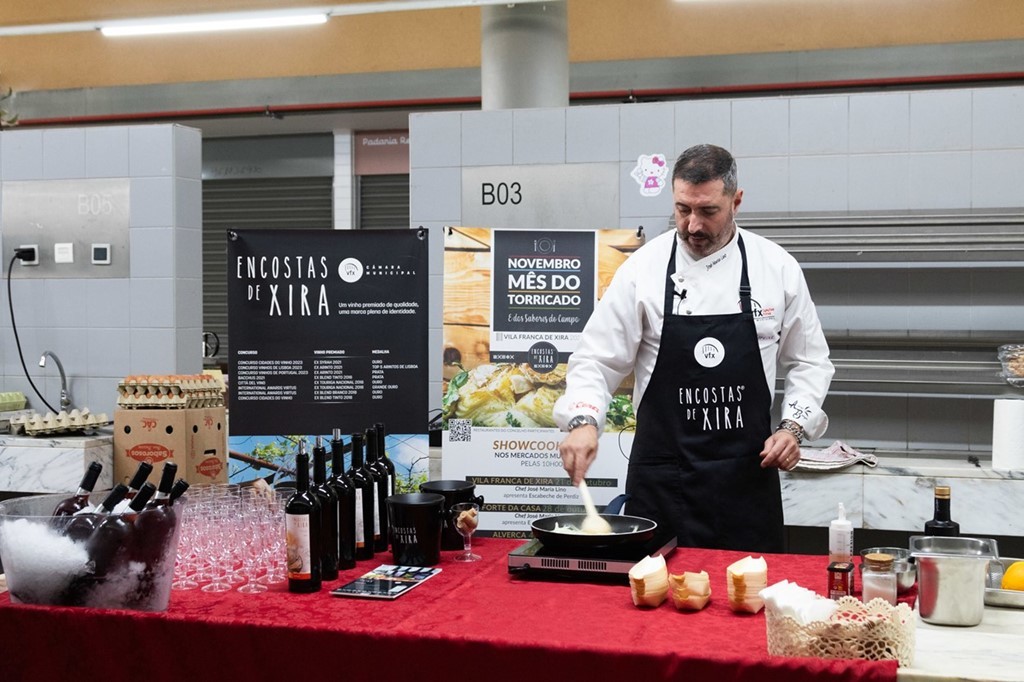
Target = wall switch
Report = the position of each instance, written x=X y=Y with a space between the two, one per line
x=64 y=252
x=101 y=254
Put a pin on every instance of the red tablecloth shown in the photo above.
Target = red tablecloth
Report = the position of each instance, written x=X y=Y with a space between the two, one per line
x=471 y=620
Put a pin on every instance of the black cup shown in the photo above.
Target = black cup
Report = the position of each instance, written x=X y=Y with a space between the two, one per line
x=453 y=492
x=415 y=528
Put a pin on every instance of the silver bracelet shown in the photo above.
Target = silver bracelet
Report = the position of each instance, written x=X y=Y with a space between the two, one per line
x=790 y=426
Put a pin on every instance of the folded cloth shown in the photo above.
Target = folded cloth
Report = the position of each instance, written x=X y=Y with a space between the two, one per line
x=835 y=456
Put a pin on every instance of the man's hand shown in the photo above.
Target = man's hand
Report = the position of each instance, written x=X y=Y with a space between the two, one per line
x=781 y=450
x=578 y=450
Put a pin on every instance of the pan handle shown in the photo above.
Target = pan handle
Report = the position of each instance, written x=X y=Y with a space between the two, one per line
x=615 y=506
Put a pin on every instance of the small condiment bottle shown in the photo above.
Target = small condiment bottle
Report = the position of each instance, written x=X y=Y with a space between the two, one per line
x=879 y=578
x=839 y=579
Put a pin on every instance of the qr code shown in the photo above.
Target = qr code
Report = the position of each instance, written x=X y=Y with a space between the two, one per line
x=460 y=430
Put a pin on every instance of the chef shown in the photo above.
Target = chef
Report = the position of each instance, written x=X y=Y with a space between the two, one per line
x=703 y=314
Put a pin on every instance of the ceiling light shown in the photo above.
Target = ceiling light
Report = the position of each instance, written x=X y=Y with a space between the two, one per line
x=211 y=22
x=274 y=18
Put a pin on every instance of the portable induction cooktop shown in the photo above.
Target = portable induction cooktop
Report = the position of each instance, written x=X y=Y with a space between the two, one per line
x=599 y=564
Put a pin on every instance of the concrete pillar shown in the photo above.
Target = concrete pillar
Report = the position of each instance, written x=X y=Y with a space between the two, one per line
x=524 y=56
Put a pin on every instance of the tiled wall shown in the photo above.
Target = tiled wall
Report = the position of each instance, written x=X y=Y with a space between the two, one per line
x=877 y=153
x=106 y=328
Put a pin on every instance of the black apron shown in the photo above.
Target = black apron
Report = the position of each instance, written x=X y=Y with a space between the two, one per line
x=695 y=467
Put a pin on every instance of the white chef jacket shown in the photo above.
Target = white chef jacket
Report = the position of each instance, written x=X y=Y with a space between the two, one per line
x=624 y=332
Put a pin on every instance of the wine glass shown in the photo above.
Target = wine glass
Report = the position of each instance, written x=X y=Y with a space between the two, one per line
x=465 y=517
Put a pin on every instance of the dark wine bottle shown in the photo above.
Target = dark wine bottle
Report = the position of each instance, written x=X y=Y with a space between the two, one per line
x=346 y=493
x=380 y=481
x=942 y=523
x=109 y=546
x=154 y=528
x=81 y=526
x=328 y=500
x=302 y=529
x=382 y=455
x=163 y=491
x=365 y=503
x=141 y=474
x=80 y=500
x=180 y=486
x=98 y=543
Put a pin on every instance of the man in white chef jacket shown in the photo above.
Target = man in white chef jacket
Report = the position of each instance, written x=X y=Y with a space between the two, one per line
x=705 y=456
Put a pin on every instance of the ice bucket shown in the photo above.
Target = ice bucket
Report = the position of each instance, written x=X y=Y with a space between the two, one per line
x=951 y=577
x=126 y=564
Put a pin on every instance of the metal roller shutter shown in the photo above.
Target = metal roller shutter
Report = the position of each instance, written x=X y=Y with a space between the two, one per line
x=252 y=204
x=383 y=202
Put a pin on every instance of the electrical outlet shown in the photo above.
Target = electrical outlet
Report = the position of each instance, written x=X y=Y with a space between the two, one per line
x=35 y=254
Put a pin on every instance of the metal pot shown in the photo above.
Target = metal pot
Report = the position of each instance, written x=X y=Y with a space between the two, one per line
x=626 y=530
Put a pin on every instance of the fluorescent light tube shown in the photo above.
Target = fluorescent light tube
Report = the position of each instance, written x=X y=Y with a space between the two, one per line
x=213 y=22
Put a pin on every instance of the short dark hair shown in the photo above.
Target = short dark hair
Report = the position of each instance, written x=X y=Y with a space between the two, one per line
x=705 y=162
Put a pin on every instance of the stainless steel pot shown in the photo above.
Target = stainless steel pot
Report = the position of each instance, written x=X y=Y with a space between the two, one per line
x=951 y=577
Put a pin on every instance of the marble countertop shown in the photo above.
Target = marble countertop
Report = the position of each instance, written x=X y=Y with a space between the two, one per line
x=991 y=651
x=103 y=436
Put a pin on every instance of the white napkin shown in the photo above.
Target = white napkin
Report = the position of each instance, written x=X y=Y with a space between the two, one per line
x=836 y=456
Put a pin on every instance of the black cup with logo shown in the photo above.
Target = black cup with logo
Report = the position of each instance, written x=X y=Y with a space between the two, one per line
x=454 y=492
x=415 y=528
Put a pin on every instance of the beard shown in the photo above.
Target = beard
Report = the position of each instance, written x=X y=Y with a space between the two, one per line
x=701 y=244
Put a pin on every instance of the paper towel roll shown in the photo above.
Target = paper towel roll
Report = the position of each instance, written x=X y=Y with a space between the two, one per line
x=1008 y=435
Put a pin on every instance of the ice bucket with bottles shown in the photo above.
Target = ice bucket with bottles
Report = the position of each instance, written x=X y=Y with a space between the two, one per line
x=122 y=561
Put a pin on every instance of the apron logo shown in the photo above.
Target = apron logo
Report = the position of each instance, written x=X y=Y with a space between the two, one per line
x=709 y=352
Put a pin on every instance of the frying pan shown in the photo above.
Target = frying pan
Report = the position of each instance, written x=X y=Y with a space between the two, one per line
x=626 y=530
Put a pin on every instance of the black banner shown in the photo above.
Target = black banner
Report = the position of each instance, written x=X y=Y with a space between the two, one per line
x=328 y=329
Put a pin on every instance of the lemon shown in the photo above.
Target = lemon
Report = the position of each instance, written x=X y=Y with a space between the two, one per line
x=1013 y=577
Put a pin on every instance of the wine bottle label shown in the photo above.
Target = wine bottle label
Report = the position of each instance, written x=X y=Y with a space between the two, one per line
x=376 y=521
x=360 y=536
x=298 y=540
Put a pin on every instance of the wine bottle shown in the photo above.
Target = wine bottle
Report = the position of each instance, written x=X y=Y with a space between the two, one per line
x=109 y=546
x=942 y=523
x=328 y=500
x=180 y=486
x=141 y=474
x=163 y=491
x=380 y=481
x=154 y=527
x=80 y=500
x=365 y=504
x=302 y=530
x=87 y=527
x=346 y=493
x=382 y=455
x=81 y=525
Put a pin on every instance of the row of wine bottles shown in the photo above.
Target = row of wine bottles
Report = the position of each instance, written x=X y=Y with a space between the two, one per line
x=340 y=519
x=115 y=534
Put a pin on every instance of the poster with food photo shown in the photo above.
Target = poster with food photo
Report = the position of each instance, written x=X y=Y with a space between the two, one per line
x=515 y=304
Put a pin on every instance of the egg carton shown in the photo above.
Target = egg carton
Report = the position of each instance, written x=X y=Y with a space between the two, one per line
x=76 y=421
x=174 y=391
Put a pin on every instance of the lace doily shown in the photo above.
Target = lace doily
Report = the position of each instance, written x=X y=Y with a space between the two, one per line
x=874 y=631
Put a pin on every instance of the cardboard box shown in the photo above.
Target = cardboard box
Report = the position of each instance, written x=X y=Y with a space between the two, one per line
x=195 y=439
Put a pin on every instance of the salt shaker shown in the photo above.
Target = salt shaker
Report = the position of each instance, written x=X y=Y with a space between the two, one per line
x=879 y=578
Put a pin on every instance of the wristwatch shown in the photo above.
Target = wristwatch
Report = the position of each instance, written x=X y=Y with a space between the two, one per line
x=792 y=427
x=580 y=420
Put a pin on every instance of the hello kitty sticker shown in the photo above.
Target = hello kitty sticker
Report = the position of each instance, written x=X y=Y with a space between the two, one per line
x=650 y=173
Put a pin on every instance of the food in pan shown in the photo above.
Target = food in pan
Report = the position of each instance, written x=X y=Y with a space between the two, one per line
x=514 y=394
x=1013 y=577
x=648 y=581
x=570 y=529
